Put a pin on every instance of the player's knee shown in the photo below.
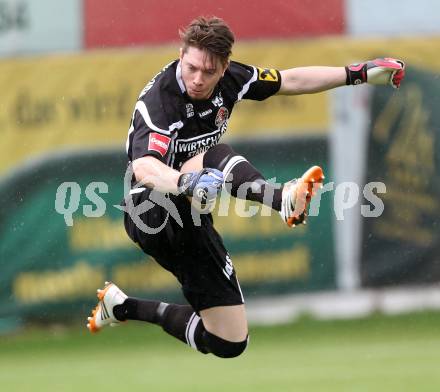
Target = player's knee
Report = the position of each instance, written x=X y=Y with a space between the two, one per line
x=218 y=156
x=223 y=348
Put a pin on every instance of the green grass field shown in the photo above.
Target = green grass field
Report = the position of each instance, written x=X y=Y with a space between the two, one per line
x=374 y=354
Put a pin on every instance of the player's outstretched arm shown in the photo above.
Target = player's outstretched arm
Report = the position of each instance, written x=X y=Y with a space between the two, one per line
x=309 y=80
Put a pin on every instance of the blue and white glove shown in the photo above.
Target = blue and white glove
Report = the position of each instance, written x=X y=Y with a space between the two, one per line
x=203 y=186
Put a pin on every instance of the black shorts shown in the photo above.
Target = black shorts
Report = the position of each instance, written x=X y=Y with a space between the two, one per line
x=194 y=254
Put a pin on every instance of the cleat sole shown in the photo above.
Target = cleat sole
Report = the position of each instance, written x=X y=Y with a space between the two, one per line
x=92 y=321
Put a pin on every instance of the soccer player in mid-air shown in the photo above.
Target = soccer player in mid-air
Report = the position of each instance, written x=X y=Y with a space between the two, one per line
x=174 y=151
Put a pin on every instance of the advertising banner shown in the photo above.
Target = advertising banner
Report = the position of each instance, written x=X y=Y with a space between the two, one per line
x=403 y=244
x=140 y=22
x=61 y=235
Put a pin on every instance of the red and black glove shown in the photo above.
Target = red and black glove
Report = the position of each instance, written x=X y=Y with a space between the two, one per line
x=380 y=71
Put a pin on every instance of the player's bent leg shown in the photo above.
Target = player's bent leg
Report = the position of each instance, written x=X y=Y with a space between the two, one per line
x=183 y=322
x=180 y=321
x=226 y=330
x=246 y=182
x=242 y=179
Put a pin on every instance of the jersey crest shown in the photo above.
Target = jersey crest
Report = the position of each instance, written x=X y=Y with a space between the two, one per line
x=222 y=116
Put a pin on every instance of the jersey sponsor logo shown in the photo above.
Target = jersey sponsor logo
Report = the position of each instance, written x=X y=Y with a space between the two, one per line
x=189 y=110
x=218 y=100
x=201 y=144
x=268 y=75
x=205 y=113
x=222 y=116
x=158 y=143
x=195 y=145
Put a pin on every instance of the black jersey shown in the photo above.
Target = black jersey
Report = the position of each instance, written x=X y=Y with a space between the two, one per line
x=170 y=126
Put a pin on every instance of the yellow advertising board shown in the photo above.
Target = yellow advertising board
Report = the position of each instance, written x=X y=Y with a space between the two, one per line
x=52 y=103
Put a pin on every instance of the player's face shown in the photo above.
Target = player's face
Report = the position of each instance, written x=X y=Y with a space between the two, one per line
x=200 y=72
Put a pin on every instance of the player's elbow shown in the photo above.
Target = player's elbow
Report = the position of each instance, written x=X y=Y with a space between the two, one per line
x=137 y=167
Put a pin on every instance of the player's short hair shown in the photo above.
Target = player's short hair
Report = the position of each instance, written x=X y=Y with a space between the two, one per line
x=210 y=34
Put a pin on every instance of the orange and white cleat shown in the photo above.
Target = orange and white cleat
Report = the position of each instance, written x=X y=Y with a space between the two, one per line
x=297 y=195
x=110 y=296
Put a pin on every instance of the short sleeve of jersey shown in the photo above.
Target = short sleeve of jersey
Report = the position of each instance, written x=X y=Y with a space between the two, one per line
x=261 y=83
x=145 y=141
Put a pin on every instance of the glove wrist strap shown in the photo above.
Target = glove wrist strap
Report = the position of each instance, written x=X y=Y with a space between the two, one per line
x=183 y=183
x=356 y=74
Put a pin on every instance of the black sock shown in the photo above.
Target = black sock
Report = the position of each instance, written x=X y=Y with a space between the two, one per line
x=139 y=309
x=179 y=321
x=184 y=324
x=238 y=171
